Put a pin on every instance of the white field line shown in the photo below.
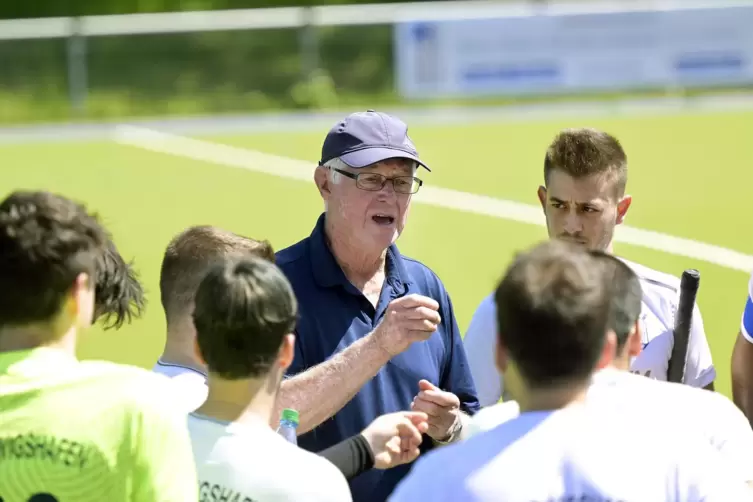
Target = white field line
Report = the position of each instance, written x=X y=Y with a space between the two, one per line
x=284 y=167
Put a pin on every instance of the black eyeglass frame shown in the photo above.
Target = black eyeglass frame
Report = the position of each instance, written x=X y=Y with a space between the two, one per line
x=385 y=179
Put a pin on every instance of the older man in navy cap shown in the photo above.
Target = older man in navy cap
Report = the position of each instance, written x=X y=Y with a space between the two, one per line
x=377 y=332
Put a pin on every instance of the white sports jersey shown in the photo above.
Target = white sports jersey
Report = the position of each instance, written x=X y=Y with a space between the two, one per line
x=190 y=384
x=658 y=308
x=746 y=323
x=704 y=413
x=578 y=453
x=250 y=462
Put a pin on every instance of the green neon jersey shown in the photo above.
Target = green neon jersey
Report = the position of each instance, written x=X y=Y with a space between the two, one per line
x=85 y=431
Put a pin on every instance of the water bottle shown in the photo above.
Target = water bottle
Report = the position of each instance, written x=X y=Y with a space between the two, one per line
x=289 y=425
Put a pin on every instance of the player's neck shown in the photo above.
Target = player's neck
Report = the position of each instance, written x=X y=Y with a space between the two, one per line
x=553 y=398
x=360 y=266
x=179 y=351
x=37 y=336
x=242 y=401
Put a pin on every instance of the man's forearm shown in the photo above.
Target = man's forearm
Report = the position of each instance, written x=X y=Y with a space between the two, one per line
x=742 y=376
x=320 y=392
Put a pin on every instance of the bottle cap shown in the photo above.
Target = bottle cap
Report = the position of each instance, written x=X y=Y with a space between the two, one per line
x=290 y=415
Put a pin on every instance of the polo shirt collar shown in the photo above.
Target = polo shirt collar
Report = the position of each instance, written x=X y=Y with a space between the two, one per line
x=327 y=271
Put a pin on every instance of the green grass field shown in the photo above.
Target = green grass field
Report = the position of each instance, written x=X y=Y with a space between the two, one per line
x=689 y=175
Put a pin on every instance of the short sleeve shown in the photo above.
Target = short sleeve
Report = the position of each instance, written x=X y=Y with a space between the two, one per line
x=731 y=435
x=746 y=323
x=704 y=476
x=480 y=343
x=456 y=377
x=699 y=368
x=163 y=462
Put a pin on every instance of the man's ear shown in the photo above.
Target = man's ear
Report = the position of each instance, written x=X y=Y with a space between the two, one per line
x=541 y=192
x=321 y=179
x=622 y=208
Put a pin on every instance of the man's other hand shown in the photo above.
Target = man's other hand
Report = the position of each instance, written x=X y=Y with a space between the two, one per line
x=443 y=409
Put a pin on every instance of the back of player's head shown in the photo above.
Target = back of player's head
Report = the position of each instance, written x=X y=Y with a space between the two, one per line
x=188 y=257
x=118 y=296
x=46 y=243
x=626 y=295
x=585 y=152
x=244 y=307
x=552 y=313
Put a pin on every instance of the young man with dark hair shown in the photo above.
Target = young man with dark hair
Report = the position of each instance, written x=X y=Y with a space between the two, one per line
x=584 y=199
x=245 y=314
x=554 y=310
x=705 y=414
x=71 y=430
x=188 y=257
x=118 y=294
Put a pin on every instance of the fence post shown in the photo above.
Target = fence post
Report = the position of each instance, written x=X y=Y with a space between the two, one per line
x=309 y=43
x=77 y=67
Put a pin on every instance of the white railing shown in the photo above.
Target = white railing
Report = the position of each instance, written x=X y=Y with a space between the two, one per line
x=329 y=15
x=77 y=29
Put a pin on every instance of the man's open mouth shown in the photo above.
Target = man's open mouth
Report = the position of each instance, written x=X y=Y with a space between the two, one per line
x=383 y=219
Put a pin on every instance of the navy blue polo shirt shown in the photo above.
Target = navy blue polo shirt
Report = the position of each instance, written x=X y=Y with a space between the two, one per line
x=334 y=314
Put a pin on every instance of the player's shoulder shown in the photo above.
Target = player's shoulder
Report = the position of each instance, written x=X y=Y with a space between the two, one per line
x=130 y=385
x=486 y=307
x=654 y=279
x=319 y=472
x=490 y=417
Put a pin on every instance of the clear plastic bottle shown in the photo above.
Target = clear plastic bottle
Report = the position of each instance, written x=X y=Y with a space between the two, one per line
x=289 y=425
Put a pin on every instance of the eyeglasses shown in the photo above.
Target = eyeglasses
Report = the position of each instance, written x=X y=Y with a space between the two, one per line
x=373 y=182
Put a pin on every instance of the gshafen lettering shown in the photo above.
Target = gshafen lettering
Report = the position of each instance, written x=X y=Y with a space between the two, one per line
x=217 y=493
x=41 y=447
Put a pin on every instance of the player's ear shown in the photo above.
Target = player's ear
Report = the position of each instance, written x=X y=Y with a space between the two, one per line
x=609 y=352
x=541 y=192
x=634 y=341
x=500 y=356
x=80 y=301
x=287 y=352
x=622 y=208
x=197 y=351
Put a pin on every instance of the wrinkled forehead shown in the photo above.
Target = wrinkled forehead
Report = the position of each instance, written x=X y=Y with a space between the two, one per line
x=596 y=187
x=391 y=167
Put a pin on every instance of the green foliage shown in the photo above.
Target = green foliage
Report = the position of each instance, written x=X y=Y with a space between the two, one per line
x=10 y=9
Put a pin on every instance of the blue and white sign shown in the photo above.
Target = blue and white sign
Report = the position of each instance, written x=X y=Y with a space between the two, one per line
x=575 y=51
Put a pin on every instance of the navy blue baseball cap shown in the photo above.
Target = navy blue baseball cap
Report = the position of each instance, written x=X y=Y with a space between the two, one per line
x=365 y=138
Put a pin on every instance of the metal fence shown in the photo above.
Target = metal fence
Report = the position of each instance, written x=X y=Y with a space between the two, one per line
x=219 y=61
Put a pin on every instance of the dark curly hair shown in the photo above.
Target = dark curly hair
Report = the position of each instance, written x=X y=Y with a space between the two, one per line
x=118 y=296
x=46 y=242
